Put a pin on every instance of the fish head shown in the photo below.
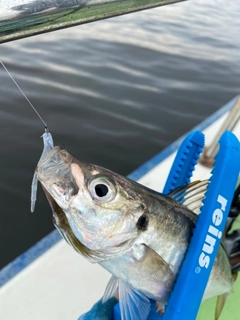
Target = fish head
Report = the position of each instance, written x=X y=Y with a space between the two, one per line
x=101 y=207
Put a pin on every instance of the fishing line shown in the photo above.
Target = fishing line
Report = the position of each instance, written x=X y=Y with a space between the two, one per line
x=44 y=123
x=47 y=142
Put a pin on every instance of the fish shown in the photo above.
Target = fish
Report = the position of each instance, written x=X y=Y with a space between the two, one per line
x=139 y=235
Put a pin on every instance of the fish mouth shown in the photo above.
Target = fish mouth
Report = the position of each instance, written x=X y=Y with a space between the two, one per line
x=54 y=173
x=59 y=218
x=61 y=223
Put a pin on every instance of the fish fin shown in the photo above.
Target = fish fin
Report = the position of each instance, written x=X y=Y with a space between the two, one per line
x=133 y=304
x=160 y=307
x=235 y=275
x=191 y=195
x=100 y=310
x=220 y=304
x=161 y=272
x=222 y=299
x=111 y=289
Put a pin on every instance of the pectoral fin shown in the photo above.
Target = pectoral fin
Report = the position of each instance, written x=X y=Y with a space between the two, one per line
x=133 y=304
x=158 y=272
x=100 y=311
x=111 y=289
x=150 y=268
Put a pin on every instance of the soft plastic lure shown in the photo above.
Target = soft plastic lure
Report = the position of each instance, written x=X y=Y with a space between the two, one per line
x=47 y=146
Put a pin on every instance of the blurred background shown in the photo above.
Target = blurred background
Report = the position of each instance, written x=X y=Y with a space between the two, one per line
x=116 y=92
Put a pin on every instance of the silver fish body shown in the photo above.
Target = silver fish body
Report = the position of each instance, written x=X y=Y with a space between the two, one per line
x=138 y=235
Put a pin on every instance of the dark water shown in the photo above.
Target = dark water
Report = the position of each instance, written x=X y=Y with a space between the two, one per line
x=116 y=92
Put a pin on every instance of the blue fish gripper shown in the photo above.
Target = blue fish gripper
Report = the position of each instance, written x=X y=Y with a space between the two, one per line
x=186 y=297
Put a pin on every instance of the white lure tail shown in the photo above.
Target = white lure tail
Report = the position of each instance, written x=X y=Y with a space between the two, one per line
x=47 y=146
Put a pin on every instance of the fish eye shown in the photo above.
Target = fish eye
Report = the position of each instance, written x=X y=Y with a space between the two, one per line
x=102 y=189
